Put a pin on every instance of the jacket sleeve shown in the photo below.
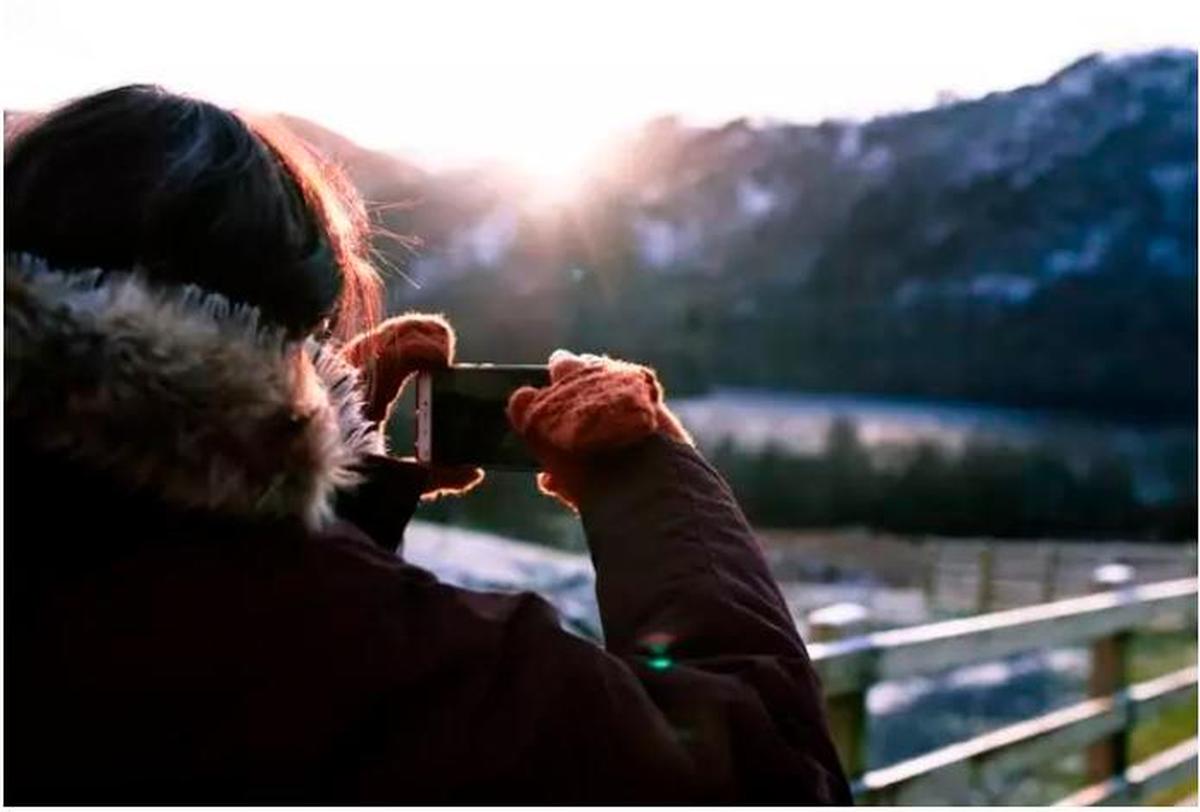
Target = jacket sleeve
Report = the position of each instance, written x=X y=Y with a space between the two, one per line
x=687 y=602
x=383 y=502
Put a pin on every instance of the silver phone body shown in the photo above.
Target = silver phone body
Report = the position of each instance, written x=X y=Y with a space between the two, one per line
x=472 y=426
x=424 y=414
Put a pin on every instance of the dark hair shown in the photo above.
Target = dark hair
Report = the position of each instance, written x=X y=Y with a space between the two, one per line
x=190 y=193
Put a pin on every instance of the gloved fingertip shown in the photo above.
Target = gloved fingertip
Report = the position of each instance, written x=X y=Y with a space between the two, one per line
x=656 y=390
x=451 y=482
x=547 y=486
x=560 y=355
x=518 y=407
x=470 y=478
x=420 y=339
x=564 y=364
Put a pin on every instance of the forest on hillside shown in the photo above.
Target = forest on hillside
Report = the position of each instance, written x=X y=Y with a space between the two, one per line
x=1035 y=247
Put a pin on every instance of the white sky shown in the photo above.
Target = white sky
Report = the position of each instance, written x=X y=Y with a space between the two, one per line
x=542 y=83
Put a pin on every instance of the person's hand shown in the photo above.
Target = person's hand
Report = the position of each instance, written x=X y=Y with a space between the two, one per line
x=593 y=405
x=386 y=358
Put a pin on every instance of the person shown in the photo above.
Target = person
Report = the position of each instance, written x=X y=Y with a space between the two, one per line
x=206 y=595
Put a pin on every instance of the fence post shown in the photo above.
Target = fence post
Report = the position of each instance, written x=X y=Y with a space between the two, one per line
x=847 y=712
x=984 y=594
x=1049 y=571
x=929 y=578
x=1108 y=757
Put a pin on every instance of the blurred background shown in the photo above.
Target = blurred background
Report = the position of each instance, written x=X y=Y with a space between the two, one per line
x=920 y=277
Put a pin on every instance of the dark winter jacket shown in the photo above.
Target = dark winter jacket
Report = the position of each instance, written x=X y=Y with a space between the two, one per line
x=204 y=604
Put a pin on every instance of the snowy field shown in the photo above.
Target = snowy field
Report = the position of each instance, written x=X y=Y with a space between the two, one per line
x=955 y=705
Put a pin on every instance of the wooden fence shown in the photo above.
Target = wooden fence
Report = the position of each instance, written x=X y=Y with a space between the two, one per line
x=953 y=577
x=980 y=770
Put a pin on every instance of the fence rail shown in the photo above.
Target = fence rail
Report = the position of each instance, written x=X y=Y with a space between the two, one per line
x=980 y=769
x=1141 y=782
x=948 y=577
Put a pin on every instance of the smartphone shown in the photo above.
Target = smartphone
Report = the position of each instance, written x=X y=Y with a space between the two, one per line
x=461 y=416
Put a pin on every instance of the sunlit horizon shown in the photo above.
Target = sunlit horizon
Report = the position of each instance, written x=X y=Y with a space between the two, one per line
x=542 y=87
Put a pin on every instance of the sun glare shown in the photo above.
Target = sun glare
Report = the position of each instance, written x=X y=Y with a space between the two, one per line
x=555 y=163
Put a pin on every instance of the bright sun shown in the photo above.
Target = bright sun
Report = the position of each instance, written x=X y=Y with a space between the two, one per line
x=555 y=160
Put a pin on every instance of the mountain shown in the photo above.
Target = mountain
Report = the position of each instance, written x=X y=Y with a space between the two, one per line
x=373 y=173
x=1032 y=247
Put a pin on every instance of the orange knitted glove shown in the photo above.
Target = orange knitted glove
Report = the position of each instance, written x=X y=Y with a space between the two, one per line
x=592 y=405
x=386 y=358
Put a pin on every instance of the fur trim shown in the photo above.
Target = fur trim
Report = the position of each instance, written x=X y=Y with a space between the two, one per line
x=175 y=392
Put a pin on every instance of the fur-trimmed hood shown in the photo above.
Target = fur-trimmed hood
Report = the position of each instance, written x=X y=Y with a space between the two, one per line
x=171 y=391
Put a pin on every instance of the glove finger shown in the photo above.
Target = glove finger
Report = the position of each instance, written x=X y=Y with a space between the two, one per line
x=654 y=385
x=422 y=340
x=553 y=406
x=548 y=486
x=388 y=355
x=518 y=407
x=563 y=364
x=594 y=409
x=425 y=339
x=451 y=481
